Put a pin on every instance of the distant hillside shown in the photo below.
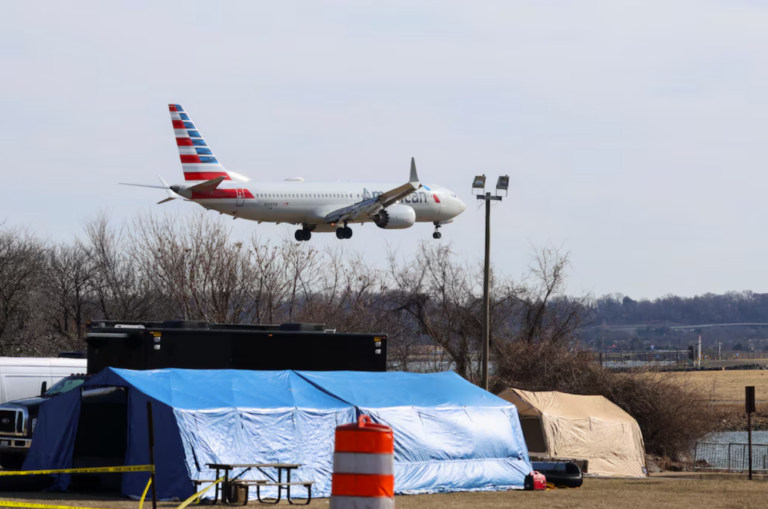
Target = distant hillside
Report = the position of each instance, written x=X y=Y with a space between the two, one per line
x=731 y=307
x=624 y=323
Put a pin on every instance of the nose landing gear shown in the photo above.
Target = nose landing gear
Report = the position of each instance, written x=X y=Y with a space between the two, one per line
x=437 y=233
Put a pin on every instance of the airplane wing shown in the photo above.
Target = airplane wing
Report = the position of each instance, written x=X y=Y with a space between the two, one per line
x=370 y=207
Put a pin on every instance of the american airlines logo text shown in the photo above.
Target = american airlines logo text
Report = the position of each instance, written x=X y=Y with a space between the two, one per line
x=417 y=197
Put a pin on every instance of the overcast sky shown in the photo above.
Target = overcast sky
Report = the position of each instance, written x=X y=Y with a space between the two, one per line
x=635 y=133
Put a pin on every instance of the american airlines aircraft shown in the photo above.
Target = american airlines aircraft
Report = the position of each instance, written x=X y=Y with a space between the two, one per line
x=314 y=206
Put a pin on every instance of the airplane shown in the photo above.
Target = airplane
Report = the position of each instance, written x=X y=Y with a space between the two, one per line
x=314 y=206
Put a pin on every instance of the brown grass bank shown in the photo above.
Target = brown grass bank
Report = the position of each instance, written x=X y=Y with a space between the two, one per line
x=627 y=494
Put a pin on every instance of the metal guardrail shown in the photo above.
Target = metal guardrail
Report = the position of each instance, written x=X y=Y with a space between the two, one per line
x=730 y=457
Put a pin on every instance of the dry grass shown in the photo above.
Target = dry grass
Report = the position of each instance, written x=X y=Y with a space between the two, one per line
x=725 y=385
x=627 y=494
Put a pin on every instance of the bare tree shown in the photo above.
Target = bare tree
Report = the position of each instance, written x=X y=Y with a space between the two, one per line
x=122 y=291
x=194 y=264
x=545 y=312
x=69 y=281
x=22 y=264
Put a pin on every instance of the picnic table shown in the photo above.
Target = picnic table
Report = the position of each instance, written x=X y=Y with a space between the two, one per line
x=278 y=483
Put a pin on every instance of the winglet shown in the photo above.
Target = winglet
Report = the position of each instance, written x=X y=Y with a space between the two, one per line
x=414 y=176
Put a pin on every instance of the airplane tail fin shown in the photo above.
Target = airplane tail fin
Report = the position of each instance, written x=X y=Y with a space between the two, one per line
x=197 y=159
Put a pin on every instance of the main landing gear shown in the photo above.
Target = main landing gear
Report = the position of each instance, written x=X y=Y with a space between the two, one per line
x=344 y=232
x=437 y=234
x=303 y=234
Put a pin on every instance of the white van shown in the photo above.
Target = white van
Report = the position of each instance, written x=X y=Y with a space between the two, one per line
x=23 y=377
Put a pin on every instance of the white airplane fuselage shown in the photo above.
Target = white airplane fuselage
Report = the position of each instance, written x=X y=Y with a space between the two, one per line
x=313 y=206
x=308 y=203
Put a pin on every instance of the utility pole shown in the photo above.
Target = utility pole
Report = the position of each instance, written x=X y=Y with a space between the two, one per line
x=699 y=351
x=501 y=185
x=750 y=407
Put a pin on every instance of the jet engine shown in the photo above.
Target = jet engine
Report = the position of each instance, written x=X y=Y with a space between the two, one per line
x=396 y=217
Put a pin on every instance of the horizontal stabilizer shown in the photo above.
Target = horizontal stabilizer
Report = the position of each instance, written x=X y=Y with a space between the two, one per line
x=208 y=185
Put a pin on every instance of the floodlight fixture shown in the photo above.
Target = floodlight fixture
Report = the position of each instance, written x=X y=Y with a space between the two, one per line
x=503 y=183
x=479 y=182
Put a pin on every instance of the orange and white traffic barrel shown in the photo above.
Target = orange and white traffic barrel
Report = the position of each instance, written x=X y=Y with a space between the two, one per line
x=363 y=466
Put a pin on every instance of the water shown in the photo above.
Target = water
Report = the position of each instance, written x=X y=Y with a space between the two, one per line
x=736 y=437
x=728 y=451
x=635 y=364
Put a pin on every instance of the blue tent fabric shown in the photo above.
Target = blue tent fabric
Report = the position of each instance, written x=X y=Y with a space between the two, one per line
x=449 y=434
x=54 y=441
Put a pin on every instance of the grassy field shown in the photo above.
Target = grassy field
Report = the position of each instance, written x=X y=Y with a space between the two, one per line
x=626 y=494
x=725 y=385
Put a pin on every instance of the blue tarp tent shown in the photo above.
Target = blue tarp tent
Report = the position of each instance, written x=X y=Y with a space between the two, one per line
x=449 y=434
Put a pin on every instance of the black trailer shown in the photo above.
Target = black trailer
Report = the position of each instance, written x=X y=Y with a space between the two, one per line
x=203 y=345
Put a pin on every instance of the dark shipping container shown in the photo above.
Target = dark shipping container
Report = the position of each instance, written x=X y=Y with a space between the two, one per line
x=202 y=345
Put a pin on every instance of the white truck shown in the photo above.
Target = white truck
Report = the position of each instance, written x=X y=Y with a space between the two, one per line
x=23 y=377
x=25 y=383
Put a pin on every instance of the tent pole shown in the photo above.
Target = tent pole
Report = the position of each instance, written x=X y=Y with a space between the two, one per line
x=152 y=453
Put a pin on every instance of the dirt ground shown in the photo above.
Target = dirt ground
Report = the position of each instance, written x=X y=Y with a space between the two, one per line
x=625 y=494
x=725 y=385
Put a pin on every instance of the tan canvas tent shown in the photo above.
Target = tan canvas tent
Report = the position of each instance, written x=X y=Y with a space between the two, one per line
x=560 y=425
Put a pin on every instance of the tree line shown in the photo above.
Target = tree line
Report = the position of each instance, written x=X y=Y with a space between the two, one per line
x=730 y=307
x=154 y=268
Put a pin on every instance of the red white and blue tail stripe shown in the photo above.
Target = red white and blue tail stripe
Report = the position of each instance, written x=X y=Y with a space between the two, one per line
x=197 y=158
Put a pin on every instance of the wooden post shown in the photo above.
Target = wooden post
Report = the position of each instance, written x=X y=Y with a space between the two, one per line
x=750 y=407
x=152 y=453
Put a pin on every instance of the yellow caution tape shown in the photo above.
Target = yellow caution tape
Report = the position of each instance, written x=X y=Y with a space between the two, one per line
x=200 y=494
x=143 y=495
x=95 y=470
x=5 y=503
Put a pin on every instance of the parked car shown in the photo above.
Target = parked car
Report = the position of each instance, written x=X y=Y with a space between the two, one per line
x=22 y=377
x=18 y=419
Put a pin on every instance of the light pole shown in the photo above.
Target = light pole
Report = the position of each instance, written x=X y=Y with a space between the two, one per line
x=501 y=185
